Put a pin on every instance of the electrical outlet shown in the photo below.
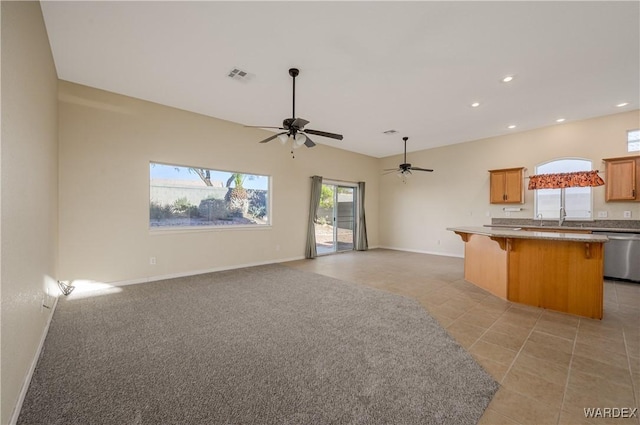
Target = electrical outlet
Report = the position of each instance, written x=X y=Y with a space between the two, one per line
x=602 y=214
x=152 y=261
x=627 y=214
x=46 y=304
x=507 y=213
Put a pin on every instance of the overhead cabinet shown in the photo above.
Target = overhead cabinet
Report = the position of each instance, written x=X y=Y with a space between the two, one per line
x=622 y=179
x=507 y=186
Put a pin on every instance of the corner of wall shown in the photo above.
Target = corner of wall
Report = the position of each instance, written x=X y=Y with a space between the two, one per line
x=29 y=235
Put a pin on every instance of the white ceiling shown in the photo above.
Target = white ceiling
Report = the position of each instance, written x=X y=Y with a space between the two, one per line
x=365 y=67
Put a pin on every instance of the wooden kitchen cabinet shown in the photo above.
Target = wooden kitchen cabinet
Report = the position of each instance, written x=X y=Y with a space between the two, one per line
x=622 y=179
x=507 y=186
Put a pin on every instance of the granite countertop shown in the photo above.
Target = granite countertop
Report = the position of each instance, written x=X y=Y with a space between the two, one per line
x=518 y=233
x=590 y=229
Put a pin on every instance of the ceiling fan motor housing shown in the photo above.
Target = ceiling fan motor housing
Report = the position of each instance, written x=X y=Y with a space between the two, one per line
x=286 y=123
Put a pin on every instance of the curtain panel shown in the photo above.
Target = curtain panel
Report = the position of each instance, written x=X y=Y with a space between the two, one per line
x=361 y=225
x=316 y=191
x=562 y=180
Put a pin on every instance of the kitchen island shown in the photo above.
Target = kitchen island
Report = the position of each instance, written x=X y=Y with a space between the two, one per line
x=553 y=270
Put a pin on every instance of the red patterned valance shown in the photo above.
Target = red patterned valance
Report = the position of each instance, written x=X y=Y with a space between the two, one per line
x=560 y=180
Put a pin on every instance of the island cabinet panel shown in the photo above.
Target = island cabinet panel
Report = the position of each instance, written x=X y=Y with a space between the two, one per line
x=561 y=276
x=486 y=264
x=557 y=271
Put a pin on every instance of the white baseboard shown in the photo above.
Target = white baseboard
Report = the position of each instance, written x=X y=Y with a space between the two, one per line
x=201 y=271
x=441 y=254
x=34 y=362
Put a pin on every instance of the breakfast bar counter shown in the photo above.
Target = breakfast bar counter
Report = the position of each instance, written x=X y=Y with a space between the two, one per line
x=553 y=270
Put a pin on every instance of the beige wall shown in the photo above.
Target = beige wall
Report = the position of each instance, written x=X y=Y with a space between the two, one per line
x=106 y=144
x=29 y=169
x=414 y=216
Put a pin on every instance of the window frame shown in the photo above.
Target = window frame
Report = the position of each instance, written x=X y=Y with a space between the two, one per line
x=568 y=218
x=634 y=141
x=210 y=227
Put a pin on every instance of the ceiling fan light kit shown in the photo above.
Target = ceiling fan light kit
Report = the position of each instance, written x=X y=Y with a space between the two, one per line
x=283 y=137
x=299 y=140
x=403 y=175
x=404 y=170
x=294 y=131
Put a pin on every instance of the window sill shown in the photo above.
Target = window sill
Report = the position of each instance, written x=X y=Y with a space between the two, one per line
x=199 y=229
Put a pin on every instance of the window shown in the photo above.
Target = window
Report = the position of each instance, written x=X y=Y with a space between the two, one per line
x=633 y=140
x=577 y=200
x=198 y=197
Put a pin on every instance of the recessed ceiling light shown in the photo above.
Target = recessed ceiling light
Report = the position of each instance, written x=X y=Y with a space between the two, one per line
x=560 y=120
x=620 y=105
x=507 y=78
x=475 y=104
x=511 y=127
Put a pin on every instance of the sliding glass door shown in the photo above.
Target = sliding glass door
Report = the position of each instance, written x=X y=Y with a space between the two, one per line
x=336 y=218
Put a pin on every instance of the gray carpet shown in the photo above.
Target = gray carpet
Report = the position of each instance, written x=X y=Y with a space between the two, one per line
x=261 y=345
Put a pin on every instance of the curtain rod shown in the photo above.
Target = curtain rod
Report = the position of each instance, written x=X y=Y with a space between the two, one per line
x=336 y=180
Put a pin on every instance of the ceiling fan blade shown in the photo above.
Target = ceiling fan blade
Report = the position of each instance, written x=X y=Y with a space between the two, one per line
x=299 y=123
x=262 y=126
x=421 y=169
x=391 y=169
x=325 y=134
x=268 y=139
x=309 y=143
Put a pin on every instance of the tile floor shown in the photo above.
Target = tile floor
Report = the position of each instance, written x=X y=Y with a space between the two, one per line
x=550 y=366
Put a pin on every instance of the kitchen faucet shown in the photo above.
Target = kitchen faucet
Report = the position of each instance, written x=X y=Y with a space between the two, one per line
x=539 y=217
x=563 y=214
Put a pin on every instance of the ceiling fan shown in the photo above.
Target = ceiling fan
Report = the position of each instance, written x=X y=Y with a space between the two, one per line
x=294 y=130
x=404 y=170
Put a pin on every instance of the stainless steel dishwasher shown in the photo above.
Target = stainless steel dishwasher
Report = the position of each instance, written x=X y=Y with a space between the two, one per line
x=622 y=256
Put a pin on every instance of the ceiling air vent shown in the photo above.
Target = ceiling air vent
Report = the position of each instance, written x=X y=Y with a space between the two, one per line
x=240 y=75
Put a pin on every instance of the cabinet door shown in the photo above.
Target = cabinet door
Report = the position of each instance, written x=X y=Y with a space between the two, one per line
x=497 y=183
x=621 y=180
x=513 y=186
